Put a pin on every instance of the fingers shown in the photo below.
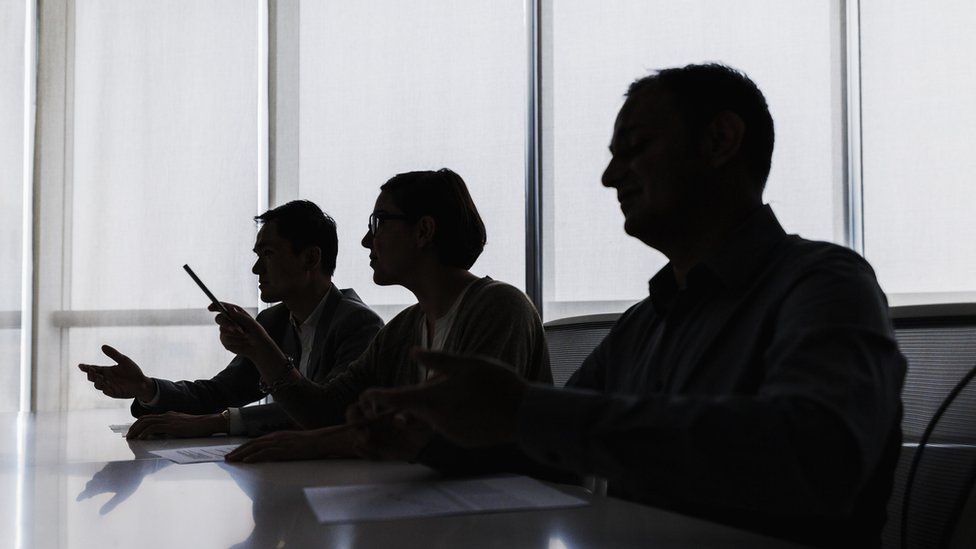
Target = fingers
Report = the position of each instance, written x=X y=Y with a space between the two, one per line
x=413 y=399
x=112 y=353
x=233 y=334
x=92 y=488
x=354 y=413
x=359 y=435
x=237 y=314
x=102 y=379
x=226 y=323
x=111 y=504
x=234 y=318
x=147 y=426
x=94 y=373
x=259 y=449
x=137 y=427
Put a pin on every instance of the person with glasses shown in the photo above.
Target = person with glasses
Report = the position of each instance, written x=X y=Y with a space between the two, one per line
x=424 y=234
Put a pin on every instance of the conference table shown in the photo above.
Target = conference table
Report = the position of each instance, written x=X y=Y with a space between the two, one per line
x=67 y=480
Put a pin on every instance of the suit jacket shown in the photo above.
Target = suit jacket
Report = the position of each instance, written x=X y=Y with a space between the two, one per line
x=344 y=331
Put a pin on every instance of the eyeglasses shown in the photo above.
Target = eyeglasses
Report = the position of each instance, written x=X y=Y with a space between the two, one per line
x=375 y=219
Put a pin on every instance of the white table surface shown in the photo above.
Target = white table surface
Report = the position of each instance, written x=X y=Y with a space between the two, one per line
x=66 y=480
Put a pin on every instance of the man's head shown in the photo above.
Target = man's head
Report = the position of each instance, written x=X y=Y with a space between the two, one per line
x=296 y=245
x=688 y=140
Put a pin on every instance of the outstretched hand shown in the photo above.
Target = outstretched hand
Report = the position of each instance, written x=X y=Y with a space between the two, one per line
x=473 y=401
x=121 y=380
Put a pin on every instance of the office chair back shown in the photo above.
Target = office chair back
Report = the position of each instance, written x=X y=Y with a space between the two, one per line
x=571 y=340
x=939 y=342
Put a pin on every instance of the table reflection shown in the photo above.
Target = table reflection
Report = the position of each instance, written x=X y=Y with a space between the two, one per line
x=120 y=478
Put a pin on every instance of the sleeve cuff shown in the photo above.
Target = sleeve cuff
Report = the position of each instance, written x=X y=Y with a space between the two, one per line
x=151 y=403
x=236 y=423
x=552 y=426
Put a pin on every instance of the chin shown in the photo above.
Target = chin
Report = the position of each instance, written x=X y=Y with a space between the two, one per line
x=269 y=298
x=632 y=227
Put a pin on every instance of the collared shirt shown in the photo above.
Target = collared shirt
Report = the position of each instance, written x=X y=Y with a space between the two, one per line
x=306 y=332
x=306 y=336
x=766 y=393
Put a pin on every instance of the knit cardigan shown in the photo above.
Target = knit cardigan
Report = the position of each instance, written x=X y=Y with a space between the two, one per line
x=494 y=320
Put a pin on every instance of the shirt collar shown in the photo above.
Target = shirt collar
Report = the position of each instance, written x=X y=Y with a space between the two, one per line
x=313 y=318
x=735 y=263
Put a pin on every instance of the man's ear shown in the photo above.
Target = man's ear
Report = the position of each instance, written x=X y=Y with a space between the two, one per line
x=312 y=258
x=424 y=231
x=722 y=138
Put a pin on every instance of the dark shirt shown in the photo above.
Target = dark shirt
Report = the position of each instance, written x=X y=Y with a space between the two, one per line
x=765 y=394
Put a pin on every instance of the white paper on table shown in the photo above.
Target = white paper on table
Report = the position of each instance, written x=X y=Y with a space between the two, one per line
x=121 y=428
x=197 y=454
x=364 y=502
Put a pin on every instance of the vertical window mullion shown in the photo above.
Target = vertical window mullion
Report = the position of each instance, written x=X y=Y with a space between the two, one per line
x=853 y=161
x=533 y=157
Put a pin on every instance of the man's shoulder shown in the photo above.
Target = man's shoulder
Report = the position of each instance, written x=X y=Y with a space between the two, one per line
x=802 y=256
x=273 y=315
x=352 y=308
x=637 y=316
x=350 y=303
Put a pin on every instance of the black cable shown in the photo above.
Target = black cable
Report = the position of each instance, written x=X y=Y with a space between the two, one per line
x=921 y=448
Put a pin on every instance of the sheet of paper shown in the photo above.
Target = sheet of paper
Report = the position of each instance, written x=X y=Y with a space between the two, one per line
x=198 y=454
x=121 y=428
x=365 y=502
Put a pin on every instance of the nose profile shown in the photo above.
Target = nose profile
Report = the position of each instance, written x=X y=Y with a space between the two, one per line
x=367 y=241
x=256 y=269
x=612 y=174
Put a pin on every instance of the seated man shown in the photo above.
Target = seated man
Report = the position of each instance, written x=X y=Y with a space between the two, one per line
x=757 y=385
x=320 y=327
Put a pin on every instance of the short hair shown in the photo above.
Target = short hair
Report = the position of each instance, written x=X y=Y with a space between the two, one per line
x=703 y=91
x=303 y=224
x=460 y=234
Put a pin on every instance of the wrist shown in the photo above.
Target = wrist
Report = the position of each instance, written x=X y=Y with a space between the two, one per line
x=218 y=423
x=147 y=390
x=273 y=378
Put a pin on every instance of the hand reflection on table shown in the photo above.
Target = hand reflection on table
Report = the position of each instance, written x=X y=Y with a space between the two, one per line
x=122 y=478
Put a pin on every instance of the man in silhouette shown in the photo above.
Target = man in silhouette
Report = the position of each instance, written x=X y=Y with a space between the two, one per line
x=758 y=383
x=320 y=327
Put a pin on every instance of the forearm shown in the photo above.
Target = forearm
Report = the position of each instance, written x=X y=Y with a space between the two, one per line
x=779 y=456
x=263 y=419
x=313 y=406
x=329 y=442
x=272 y=363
